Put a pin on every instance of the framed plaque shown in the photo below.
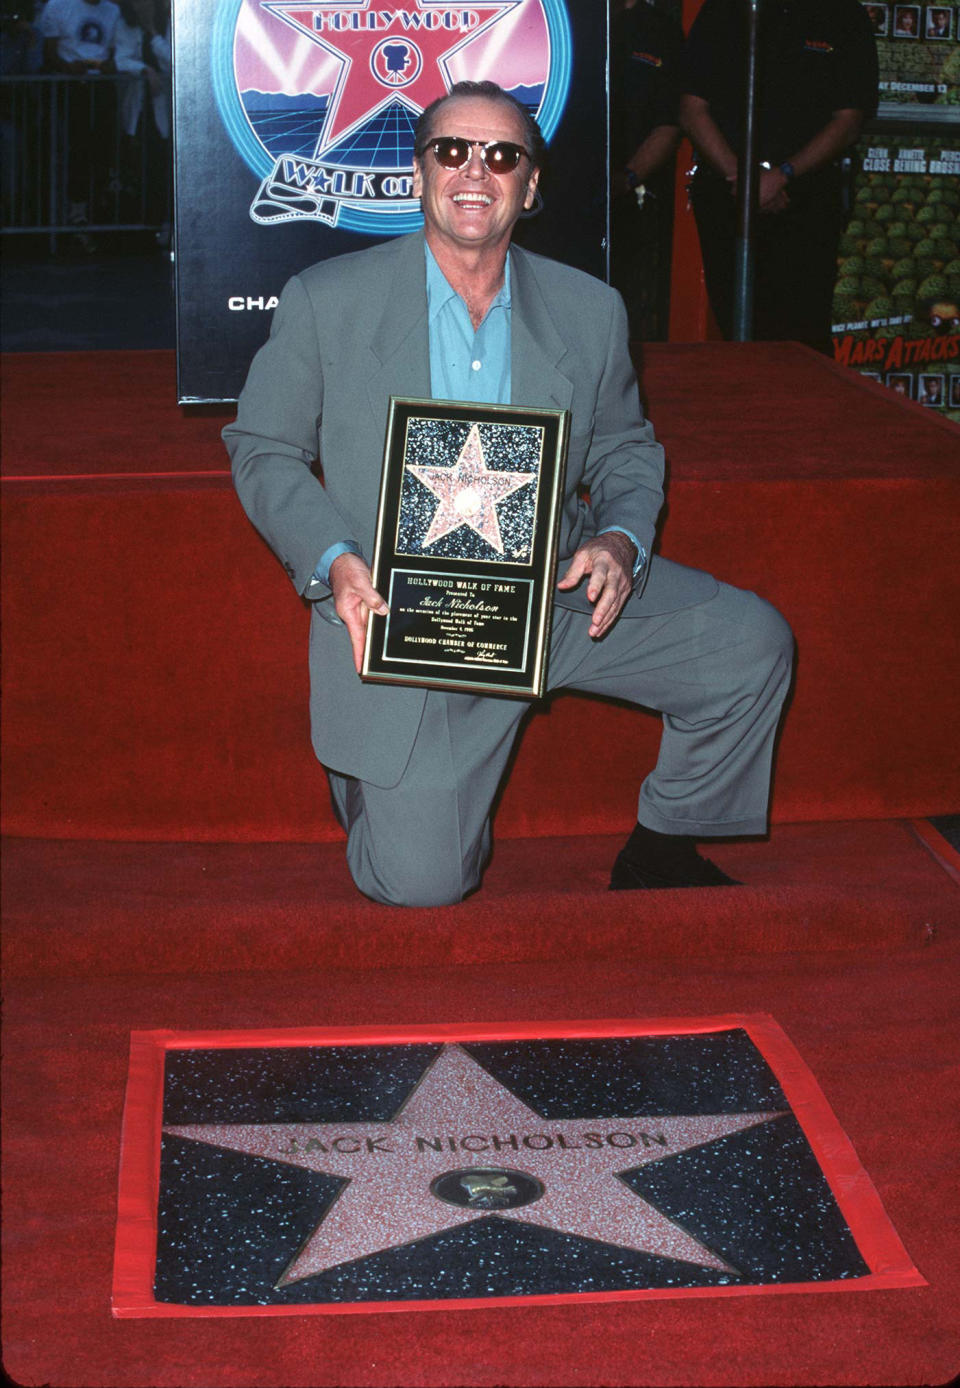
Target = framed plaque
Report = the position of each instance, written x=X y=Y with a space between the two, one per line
x=466 y=546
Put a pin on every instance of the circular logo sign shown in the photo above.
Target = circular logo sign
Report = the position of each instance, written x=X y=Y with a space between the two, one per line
x=396 y=62
x=320 y=98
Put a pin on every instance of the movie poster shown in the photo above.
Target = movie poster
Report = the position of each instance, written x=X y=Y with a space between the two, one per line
x=917 y=47
x=294 y=128
x=896 y=305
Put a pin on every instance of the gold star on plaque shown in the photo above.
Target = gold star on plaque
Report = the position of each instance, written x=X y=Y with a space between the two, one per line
x=463 y=1147
x=468 y=493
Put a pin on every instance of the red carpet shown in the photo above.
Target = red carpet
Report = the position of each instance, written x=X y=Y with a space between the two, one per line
x=202 y=908
x=848 y=935
x=73 y=414
x=161 y=879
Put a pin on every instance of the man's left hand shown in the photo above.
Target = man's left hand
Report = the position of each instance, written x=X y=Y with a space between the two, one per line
x=608 y=560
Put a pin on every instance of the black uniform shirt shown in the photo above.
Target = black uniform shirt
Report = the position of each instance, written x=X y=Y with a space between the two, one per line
x=645 y=47
x=815 y=57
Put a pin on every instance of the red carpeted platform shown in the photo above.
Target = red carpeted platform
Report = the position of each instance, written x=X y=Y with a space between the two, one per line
x=156 y=668
x=168 y=867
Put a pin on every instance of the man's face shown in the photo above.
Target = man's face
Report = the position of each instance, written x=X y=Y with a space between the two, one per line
x=470 y=206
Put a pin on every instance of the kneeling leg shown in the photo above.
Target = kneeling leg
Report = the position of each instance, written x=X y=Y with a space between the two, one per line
x=426 y=840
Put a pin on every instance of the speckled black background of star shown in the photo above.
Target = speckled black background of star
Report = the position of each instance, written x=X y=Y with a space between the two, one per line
x=229 y=1223
x=506 y=448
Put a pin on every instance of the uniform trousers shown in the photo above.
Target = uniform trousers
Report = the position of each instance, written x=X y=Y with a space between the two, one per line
x=795 y=259
x=718 y=672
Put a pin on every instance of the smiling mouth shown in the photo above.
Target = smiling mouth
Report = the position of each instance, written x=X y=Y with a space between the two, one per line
x=472 y=200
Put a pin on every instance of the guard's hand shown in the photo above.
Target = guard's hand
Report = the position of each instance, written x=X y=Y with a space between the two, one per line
x=772 y=193
x=608 y=560
x=354 y=598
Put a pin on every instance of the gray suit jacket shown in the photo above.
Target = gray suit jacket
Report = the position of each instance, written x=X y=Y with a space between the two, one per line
x=349 y=333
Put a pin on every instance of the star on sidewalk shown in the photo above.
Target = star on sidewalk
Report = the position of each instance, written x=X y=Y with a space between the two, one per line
x=463 y=1147
x=468 y=493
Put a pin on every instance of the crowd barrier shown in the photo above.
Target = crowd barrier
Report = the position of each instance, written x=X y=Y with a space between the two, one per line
x=68 y=168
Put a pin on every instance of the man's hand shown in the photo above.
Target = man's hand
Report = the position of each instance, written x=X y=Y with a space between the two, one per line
x=772 y=193
x=355 y=597
x=609 y=560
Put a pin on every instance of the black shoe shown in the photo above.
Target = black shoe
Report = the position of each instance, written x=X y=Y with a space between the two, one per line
x=650 y=861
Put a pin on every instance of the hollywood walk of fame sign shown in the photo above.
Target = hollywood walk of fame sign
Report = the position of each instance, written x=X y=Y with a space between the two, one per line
x=466 y=546
x=294 y=125
x=319 y=1170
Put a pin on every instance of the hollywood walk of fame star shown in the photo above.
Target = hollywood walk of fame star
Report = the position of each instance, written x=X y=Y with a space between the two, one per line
x=359 y=92
x=461 y=1127
x=468 y=493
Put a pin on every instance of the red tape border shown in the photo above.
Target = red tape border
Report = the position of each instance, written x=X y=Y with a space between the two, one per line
x=136 y=1240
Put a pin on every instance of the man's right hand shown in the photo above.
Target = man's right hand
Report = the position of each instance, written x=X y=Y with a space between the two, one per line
x=354 y=598
x=772 y=192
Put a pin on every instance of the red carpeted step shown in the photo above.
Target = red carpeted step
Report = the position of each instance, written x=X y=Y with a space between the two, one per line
x=203 y=908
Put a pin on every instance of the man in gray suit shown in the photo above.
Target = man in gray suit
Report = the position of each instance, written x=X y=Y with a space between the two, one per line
x=456 y=312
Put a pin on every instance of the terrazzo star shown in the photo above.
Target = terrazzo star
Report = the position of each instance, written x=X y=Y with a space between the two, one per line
x=414 y=1192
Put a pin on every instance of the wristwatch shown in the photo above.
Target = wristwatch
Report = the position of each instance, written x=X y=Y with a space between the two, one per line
x=787 y=169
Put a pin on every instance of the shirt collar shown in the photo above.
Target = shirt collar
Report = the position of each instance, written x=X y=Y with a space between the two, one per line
x=440 y=291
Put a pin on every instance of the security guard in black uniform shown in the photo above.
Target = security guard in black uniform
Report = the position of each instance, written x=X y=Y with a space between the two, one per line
x=817 y=84
x=645 y=48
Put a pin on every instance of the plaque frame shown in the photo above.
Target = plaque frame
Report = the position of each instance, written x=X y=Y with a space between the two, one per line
x=471 y=610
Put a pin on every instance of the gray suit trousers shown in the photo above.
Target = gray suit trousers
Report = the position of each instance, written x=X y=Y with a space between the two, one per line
x=718 y=672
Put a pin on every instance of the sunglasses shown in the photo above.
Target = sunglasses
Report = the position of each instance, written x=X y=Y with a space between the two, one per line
x=453 y=152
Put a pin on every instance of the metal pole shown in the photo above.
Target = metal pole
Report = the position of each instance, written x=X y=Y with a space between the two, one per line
x=747 y=183
x=57 y=166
